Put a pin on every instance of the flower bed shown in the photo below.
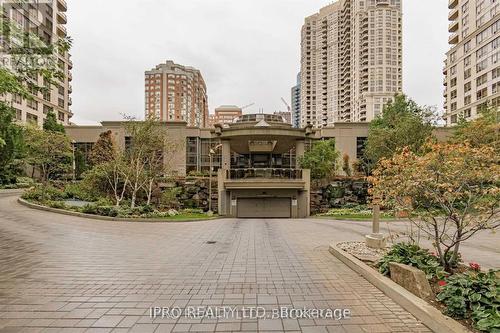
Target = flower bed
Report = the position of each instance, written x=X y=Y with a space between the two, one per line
x=466 y=294
x=55 y=198
x=359 y=212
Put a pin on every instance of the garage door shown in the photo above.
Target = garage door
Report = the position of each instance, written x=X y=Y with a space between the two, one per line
x=264 y=207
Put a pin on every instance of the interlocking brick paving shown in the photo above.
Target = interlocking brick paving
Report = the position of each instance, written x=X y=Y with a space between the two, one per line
x=67 y=274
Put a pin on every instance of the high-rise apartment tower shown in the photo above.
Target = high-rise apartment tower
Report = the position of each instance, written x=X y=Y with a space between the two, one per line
x=351 y=61
x=472 y=67
x=296 y=103
x=176 y=93
x=47 y=20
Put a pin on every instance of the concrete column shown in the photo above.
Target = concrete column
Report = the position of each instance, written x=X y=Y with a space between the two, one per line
x=222 y=200
x=300 y=148
x=226 y=155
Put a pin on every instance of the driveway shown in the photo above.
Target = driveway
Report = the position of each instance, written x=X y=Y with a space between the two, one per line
x=68 y=274
x=483 y=248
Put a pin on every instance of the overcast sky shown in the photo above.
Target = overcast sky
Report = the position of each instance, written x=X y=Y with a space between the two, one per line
x=248 y=51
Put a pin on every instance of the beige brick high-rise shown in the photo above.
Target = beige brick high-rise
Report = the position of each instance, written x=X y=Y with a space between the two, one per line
x=351 y=61
x=176 y=93
x=46 y=19
x=472 y=67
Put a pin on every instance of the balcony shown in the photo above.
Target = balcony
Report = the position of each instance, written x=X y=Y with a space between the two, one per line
x=452 y=4
x=61 y=18
x=62 y=6
x=70 y=77
x=453 y=39
x=266 y=178
x=61 y=30
x=453 y=26
x=453 y=14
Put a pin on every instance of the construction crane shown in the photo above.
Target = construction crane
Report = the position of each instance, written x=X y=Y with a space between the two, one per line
x=287 y=106
x=247 y=106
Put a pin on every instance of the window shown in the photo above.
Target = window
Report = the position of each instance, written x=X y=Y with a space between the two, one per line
x=453 y=82
x=60 y=102
x=32 y=104
x=467 y=61
x=467 y=46
x=467 y=113
x=19 y=114
x=31 y=118
x=494 y=87
x=467 y=100
x=47 y=109
x=454 y=106
x=495 y=73
x=60 y=116
x=482 y=93
x=467 y=73
x=453 y=119
x=16 y=98
x=360 y=147
x=467 y=87
x=453 y=94
x=481 y=66
x=482 y=79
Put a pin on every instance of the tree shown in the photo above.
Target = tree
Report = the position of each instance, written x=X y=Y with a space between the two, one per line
x=50 y=124
x=321 y=159
x=451 y=192
x=145 y=155
x=115 y=172
x=49 y=152
x=402 y=124
x=10 y=145
x=484 y=130
x=346 y=166
x=104 y=149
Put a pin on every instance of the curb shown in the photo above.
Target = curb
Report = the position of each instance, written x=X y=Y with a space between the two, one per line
x=423 y=311
x=107 y=218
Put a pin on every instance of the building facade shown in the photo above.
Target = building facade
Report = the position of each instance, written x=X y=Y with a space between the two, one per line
x=287 y=116
x=472 y=67
x=296 y=103
x=256 y=158
x=176 y=93
x=224 y=114
x=351 y=61
x=47 y=20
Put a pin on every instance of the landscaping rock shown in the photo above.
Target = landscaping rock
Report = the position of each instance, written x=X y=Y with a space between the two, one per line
x=338 y=193
x=412 y=279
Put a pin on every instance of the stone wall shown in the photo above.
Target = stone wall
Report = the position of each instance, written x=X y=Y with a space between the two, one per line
x=338 y=193
x=191 y=192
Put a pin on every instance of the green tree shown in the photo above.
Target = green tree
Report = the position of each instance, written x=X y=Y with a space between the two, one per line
x=104 y=149
x=482 y=131
x=322 y=159
x=50 y=124
x=145 y=156
x=402 y=124
x=49 y=152
x=10 y=145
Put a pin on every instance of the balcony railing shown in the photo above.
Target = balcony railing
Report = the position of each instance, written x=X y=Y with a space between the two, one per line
x=266 y=173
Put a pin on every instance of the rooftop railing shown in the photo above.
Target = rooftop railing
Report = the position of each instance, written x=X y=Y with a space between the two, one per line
x=265 y=173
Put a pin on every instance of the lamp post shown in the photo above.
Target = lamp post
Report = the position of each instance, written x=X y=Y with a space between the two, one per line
x=73 y=143
x=210 y=154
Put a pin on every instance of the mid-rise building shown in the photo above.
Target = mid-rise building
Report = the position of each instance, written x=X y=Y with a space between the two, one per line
x=472 y=68
x=296 y=103
x=286 y=115
x=351 y=61
x=224 y=114
x=47 y=20
x=176 y=93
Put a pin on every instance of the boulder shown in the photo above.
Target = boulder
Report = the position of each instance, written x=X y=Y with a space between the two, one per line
x=412 y=279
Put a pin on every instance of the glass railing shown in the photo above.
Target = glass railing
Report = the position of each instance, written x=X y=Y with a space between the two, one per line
x=267 y=173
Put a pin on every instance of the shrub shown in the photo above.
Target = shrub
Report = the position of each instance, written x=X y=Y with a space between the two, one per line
x=56 y=204
x=43 y=193
x=77 y=191
x=111 y=211
x=192 y=211
x=412 y=255
x=473 y=295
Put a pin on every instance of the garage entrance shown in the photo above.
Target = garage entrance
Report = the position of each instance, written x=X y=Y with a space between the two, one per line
x=264 y=207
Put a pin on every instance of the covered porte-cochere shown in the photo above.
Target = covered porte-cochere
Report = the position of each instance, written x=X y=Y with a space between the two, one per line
x=259 y=175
